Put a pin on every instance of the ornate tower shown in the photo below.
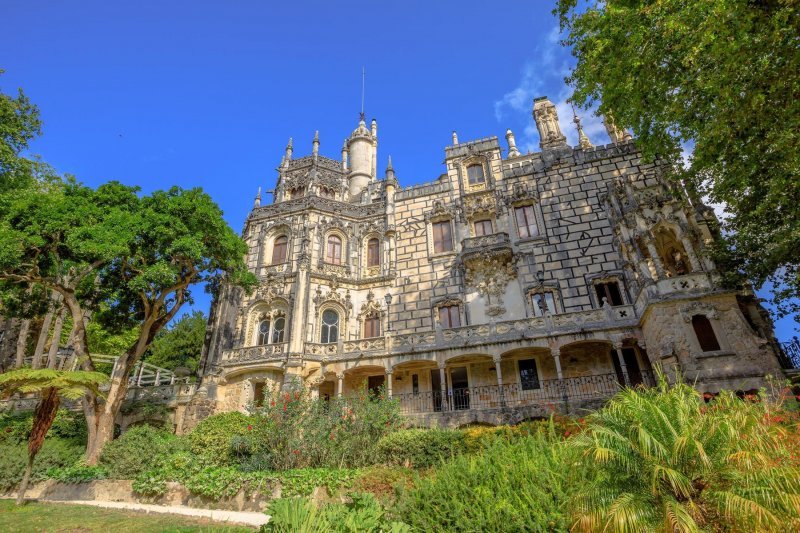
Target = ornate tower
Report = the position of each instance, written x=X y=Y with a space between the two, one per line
x=362 y=147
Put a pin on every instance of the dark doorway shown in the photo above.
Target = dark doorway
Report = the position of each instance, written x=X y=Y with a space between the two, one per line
x=632 y=364
x=436 y=389
x=375 y=383
x=460 y=387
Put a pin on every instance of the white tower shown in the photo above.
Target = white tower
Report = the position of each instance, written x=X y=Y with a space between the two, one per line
x=362 y=147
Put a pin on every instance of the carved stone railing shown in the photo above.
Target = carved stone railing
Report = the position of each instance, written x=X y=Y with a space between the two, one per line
x=485 y=241
x=365 y=345
x=341 y=271
x=249 y=354
x=686 y=283
x=323 y=350
x=162 y=393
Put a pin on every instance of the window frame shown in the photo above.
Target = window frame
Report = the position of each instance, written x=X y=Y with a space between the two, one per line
x=522 y=383
x=263 y=337
x=375 y=325
x=449 y=309
x=377 y=252
x=448 y=223
x=717 y=346
x=482 y=222
x=527 y=227
x=330 y=258
x=535 y=309
x=477 y=182
x=280 y=242
x=325 y=328
x=605 y=283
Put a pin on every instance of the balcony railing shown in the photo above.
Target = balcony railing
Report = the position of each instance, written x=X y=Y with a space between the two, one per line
x=549 y=391
x=495 y=239
x=254 y=353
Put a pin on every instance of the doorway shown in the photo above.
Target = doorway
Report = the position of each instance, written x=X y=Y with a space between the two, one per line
x=436 y=389
x=375 y=384
x=459 y=381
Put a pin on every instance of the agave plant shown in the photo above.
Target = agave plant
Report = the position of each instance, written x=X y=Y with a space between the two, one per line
x=51 y=386
x=668 y=461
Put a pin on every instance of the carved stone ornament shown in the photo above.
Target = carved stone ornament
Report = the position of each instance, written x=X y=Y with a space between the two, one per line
x=271 y=286
x=698 y=308
x=333 y=295
x=477 y=205
x=521 y=192
x=371 y=307
x=440 y=210
x=489 y=273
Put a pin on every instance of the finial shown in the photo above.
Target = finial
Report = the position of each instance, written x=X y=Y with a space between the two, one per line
x=289 y=150
x=455 y=138
x=374 y=128
x=583 y=140
x=344 y=155
x=389 y=170
x=389 y=164
x=315 y=143
x=257 y=202
x=512 y=144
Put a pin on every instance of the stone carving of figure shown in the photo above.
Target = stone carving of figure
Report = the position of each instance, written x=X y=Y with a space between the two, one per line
x=546 y=117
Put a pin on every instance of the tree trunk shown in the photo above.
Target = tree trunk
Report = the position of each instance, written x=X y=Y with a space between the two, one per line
x=22 y=342
x=43 y=417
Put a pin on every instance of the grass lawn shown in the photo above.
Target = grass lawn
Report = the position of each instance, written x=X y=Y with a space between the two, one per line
x=52 y=517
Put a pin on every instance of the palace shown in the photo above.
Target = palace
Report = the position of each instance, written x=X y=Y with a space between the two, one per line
x=513 y=285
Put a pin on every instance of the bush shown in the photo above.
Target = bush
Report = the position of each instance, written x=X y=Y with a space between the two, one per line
x=138 y=449
x=421 y=448
x=362 y=514
x=513 y=486
x=15 y=427
x=212 y=437
x=664 y=456
x=77 y=473
x=294 y=431
x=55 y=453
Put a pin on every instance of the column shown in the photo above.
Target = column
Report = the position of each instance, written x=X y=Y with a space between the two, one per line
x=389 y=373
x=556 y=353
x=339 y=384
x=443 y=379
x=693 y=260
x=500 y=388
x=651 y=249
x=621 y=359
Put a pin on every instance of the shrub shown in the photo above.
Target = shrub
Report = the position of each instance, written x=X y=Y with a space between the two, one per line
x=421 y=448
x=15 y=427
x=138 y=449
x=293 y=431
x=362 y=514
x=513 y=486
x=212 y=437
x=667 y=460
x=55 y=453
x=77 y=473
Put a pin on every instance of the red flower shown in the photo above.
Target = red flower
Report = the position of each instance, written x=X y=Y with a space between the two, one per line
x=296 y=452
x=272 y=403
x=249 y=427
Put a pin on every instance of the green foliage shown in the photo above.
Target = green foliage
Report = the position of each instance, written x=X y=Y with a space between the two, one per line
x=303 y=481
x=77 y=473
x=55 y=453
x=19 y=124
x=294 y=431
x=139 y=449
x=211 y=438
x=421 y=448
x=179 y=344
x=68 y=425
x=722 y=75
x=668 y=461
x=299 y=515
x=70 y=384
x=512 y=486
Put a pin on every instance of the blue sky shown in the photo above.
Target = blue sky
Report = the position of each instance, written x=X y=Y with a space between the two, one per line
x=202 y=93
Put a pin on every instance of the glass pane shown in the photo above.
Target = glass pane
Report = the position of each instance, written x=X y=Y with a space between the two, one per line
x=528 y=376
x=475 y=174
x=277 y=331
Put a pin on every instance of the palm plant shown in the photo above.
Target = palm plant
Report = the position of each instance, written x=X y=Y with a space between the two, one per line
x=51 y=386
x=669 y=462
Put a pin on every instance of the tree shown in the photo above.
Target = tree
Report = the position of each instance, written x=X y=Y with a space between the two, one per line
x=722 y=75
x=180 y=240
x=667 y=461
x=180 y=344
x=19 y=124
x=51 y=385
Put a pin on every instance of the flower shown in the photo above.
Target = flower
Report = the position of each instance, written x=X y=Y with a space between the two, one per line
x=249 y=427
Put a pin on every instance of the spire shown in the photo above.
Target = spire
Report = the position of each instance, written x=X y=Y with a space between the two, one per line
x=315 y=144
x=389 y=164
x=257 y=202
x=583 y=140
x=546 y=118
x=455 y=138
x=374 y=128
x=289 y=150
x=344 y=156
x=512 y=144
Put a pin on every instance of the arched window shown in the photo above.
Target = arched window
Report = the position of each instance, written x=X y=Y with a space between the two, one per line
x=334 y=254
x=263 y=332
x=277 y=329
x=330 y=326
x=372 y=327
x=705 y=333
x=279 y=250
x=373 y=253
x=475 y=174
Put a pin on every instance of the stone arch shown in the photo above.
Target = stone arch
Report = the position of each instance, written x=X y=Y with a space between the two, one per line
x=670 y=249
x=261 y=310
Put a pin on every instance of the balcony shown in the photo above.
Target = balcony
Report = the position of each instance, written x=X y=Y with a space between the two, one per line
x=547 y=395
x=255 y=354
x=495 y=240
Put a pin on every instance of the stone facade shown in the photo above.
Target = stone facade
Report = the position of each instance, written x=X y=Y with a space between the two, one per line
x=508 y=286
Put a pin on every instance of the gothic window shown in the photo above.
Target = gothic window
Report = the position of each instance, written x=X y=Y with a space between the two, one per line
x=327 y=193
x=442 y=237
x=297 y=192
x=450 y=316
x=334 y=253
x=526 y=221
x=610 y=291
x=543 y=302
x=483 y=227
x=528 y=374
x=279 y=250
x=278 y=329
x=263 y=331
x=372 y=327
x=330 y=326
x=475 y=174
x=705 y=333
x=373 y=253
